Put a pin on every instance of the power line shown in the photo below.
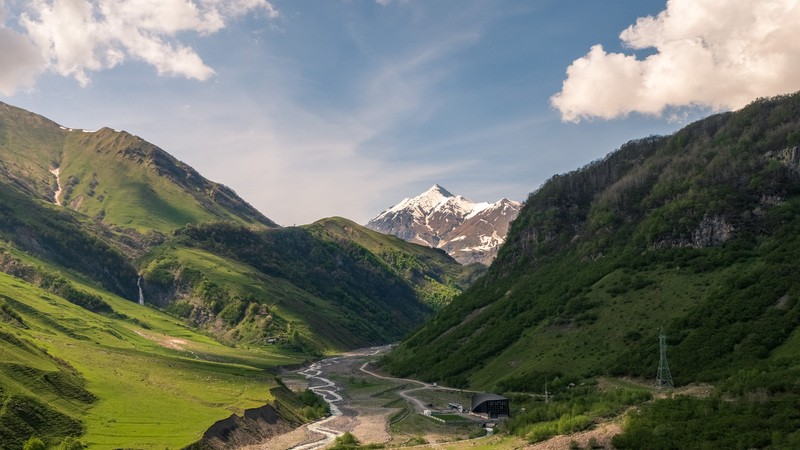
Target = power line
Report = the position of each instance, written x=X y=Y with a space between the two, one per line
x=664 y=378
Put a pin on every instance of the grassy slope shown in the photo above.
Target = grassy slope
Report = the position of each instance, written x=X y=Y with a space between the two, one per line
x=125 y=194
x=291 y=308
x=591 y=346
x=30 y=145
x=436 y=277
x=148 y=395
x=132 y=184
x=50 y=233
x=600 y=258
x=119 y=178
x=323 y=325
x=346 y=295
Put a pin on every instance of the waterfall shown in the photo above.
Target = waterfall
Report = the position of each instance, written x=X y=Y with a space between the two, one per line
x=141 y=295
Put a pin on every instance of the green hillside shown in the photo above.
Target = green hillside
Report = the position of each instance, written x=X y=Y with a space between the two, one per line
x=112 y=176
x=65 y=238
x=435 y=276
x=130 y=183
x=30 y=145
x=365 y=303
x=136 y=379
x=697 y=232
x=331 y=285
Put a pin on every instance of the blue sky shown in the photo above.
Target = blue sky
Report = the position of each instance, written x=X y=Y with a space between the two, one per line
x=310 y=109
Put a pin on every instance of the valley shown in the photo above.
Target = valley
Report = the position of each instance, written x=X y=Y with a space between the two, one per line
x=381 y=411
x=144 y=306
x=224 y=226
x=165 y=311
x=375 y=408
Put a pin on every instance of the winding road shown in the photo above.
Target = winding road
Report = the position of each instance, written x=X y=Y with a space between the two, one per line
x=419 y=405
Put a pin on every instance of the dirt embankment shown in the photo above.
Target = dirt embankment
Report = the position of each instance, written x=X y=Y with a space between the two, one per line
x=255 y=426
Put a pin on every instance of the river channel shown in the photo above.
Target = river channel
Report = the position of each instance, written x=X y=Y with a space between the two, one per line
x=375 y=408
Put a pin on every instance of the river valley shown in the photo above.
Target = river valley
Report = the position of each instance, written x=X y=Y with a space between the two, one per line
x=375 y=408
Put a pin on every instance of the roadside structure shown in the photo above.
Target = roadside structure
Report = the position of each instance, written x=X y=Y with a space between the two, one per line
x=490 y=406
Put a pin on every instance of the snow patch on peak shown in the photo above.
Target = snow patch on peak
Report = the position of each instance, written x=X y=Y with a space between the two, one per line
x=479 y=208
x=424 y=203
x=437 y=190
x=468 y=231
x=457 y=204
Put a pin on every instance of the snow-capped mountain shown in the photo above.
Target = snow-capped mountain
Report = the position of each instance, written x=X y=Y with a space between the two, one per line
x=467 y=231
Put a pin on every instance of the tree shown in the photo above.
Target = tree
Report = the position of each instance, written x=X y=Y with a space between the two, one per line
x=34 y=443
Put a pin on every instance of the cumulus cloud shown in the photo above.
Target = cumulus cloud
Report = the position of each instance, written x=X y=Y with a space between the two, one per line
x=20 y=61
x=720 y=54
x=76 y=37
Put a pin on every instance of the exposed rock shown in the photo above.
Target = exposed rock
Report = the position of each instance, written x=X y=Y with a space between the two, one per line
x=256 y=425
x=712 y=232
x=790 y=157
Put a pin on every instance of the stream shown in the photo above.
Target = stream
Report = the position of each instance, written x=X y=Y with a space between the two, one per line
x=328 y=391
x=57 y=173
x=362 y=403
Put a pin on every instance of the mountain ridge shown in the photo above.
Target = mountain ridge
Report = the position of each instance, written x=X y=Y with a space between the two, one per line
x=470 y=232
x=113 y=176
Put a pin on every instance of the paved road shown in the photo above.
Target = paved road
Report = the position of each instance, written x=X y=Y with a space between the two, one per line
x=419 y=405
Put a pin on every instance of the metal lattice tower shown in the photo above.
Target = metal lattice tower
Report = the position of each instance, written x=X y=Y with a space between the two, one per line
x=664 y=378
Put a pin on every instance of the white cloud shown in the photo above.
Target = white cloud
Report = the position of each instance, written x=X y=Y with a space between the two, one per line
x=20 y=61
x=720 y=54
x=76 y=37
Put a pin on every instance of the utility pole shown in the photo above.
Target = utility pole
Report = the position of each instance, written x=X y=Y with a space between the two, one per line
x=664 y=378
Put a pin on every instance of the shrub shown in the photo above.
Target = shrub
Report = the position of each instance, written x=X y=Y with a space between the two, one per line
x=34 y=443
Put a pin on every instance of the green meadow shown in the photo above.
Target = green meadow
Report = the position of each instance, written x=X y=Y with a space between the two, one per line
x=137 y=378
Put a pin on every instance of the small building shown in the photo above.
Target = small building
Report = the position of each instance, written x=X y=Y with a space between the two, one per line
x=492 y=406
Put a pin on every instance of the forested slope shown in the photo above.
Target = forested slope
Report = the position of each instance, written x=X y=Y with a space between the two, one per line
x=696 y=232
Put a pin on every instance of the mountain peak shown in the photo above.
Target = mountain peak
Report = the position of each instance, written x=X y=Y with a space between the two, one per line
x=437 y=189
x=468 y=231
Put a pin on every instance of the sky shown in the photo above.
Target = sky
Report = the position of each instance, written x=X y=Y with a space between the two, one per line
x=319 y=108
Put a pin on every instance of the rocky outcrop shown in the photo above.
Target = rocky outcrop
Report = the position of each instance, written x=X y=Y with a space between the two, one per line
x=790 y=157
x=712 y=232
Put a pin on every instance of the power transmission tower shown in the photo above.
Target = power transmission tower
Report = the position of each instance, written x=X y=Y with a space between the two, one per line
x=664 y=379
x=546 y=394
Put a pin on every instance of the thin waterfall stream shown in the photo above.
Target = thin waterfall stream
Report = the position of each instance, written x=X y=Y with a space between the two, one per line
x=57 y=195
x=141 y=295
